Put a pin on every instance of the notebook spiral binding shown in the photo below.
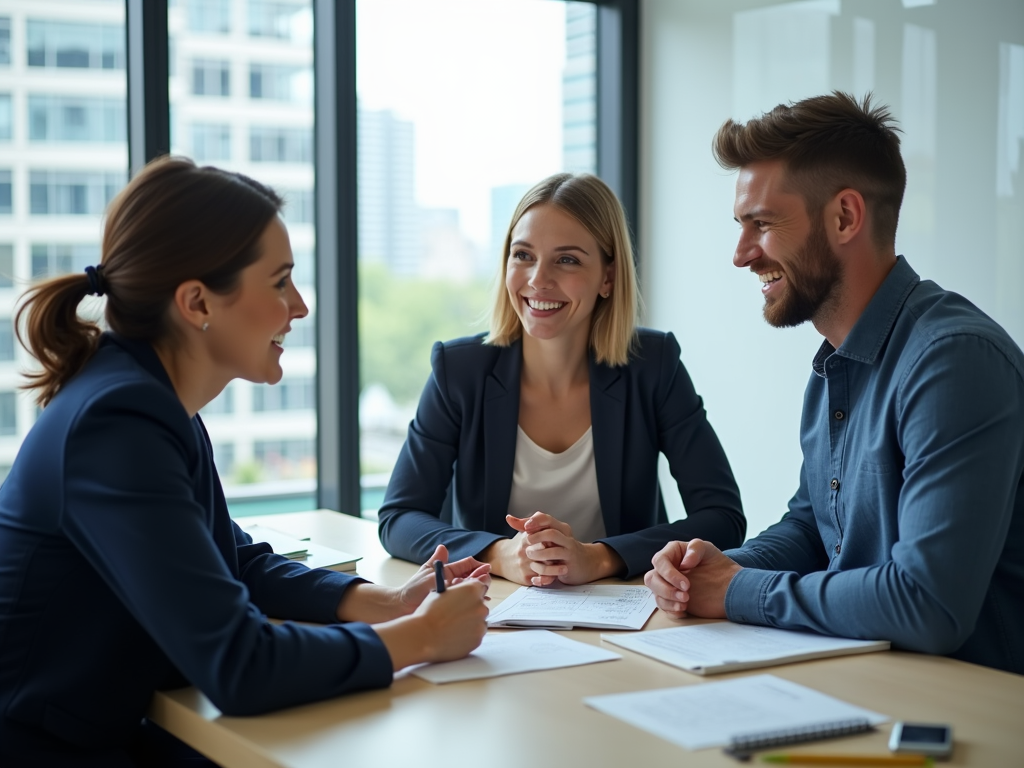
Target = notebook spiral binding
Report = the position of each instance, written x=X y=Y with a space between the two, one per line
x=741 y=746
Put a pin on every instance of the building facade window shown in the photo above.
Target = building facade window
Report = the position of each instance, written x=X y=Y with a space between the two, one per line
x=223 y=403
x=6 y=265
x=75 y=45
x=8 y=415
x=280 y=82
x=297 y=394
x=6 y=117
x=60 y=193
x=211 y=77
x=51 y=259
x=76 y=118
x=5 y=41
x=303 y=333
x=209 y=16
x=6 y=193
x=280 y=145
x=281 y=459
x=298 y=206
x=224 y=458
x=280 y=19
x=210 y=142
x=6 y=340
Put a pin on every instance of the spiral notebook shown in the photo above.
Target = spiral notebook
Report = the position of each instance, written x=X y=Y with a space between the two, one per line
x=743 y=714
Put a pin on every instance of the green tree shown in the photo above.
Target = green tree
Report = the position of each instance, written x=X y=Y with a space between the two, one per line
x=401 y=317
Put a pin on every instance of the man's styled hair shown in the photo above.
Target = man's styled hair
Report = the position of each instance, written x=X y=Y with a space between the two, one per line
x=827 y=144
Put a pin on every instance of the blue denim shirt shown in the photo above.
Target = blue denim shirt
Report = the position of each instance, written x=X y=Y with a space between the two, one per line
x=908 y=524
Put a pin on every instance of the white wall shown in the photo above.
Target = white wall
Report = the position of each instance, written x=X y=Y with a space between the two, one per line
x=953 y=73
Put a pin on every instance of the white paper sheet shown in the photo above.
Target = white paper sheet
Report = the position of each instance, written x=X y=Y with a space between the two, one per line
x=724 y=646
x=598 y=606
x=712 y=714
x=509 y=653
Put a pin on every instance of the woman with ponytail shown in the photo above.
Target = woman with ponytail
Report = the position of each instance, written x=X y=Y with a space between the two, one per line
x=120 y=569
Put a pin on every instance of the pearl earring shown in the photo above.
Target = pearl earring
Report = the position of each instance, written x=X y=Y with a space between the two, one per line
x=205 y=327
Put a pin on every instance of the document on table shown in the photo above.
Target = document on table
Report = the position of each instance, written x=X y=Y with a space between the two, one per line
x=707 y=649
x=306 y=552
x=509 y=653
x=714 y=714
x=597 y=606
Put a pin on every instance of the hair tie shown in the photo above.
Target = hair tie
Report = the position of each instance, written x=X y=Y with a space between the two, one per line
x=96 y=282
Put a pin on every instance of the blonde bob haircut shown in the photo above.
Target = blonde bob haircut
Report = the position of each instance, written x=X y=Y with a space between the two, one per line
x=588 y=200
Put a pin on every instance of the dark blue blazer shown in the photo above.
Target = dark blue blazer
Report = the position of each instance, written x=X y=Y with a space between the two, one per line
x=453 y=478
x=121 y=573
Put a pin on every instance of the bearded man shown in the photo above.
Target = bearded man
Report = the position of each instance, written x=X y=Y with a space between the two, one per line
x=908 y=522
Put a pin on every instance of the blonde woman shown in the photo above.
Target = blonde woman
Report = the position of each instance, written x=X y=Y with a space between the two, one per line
x=535 y=446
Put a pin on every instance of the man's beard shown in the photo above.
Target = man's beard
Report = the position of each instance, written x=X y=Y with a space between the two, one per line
x=811 y=280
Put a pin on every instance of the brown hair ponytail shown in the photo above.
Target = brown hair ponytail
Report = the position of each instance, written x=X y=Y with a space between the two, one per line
x=173 y=222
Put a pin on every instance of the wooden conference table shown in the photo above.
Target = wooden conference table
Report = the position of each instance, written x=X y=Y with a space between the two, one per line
x=538 y=719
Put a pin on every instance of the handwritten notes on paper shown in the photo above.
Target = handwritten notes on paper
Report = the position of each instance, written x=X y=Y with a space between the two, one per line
x=597 y=606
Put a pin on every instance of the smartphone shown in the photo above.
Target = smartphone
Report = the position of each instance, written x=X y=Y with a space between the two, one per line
x=922 y=739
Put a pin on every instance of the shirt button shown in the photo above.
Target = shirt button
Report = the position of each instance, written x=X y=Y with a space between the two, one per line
x=838 y=549
x=834 y=485
x=839 y=415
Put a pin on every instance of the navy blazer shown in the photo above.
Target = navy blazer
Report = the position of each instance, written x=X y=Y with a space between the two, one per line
x=121 y=573
x=453 y=478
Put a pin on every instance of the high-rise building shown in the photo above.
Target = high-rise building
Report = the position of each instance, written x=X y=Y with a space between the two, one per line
x=241 y=98
x=579 y=91
x=63 y=155
x=388 y=216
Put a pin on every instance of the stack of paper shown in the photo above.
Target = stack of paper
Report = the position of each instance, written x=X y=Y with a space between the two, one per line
x=707 y=649
x=306 y=552
x=560 y=607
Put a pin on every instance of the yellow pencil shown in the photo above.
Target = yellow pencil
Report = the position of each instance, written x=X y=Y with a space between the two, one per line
x=808 y=759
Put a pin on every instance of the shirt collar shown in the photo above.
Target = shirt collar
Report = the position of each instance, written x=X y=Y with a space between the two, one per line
x=869 y=333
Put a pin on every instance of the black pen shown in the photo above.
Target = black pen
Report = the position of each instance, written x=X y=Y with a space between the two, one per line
x=439 y=576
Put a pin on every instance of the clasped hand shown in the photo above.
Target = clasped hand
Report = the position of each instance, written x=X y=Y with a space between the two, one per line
x=691 y=578
x=544 y=551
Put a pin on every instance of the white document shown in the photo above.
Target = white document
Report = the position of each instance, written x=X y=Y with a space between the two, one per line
x=597 y=606
x=707 y=649
x=509 y=653
x=713 y=714
x=306 y=552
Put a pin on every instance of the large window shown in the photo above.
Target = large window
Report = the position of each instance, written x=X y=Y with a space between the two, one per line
x=63 y=129
x=442 y=158
x=445 y=152
x=261 y=124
